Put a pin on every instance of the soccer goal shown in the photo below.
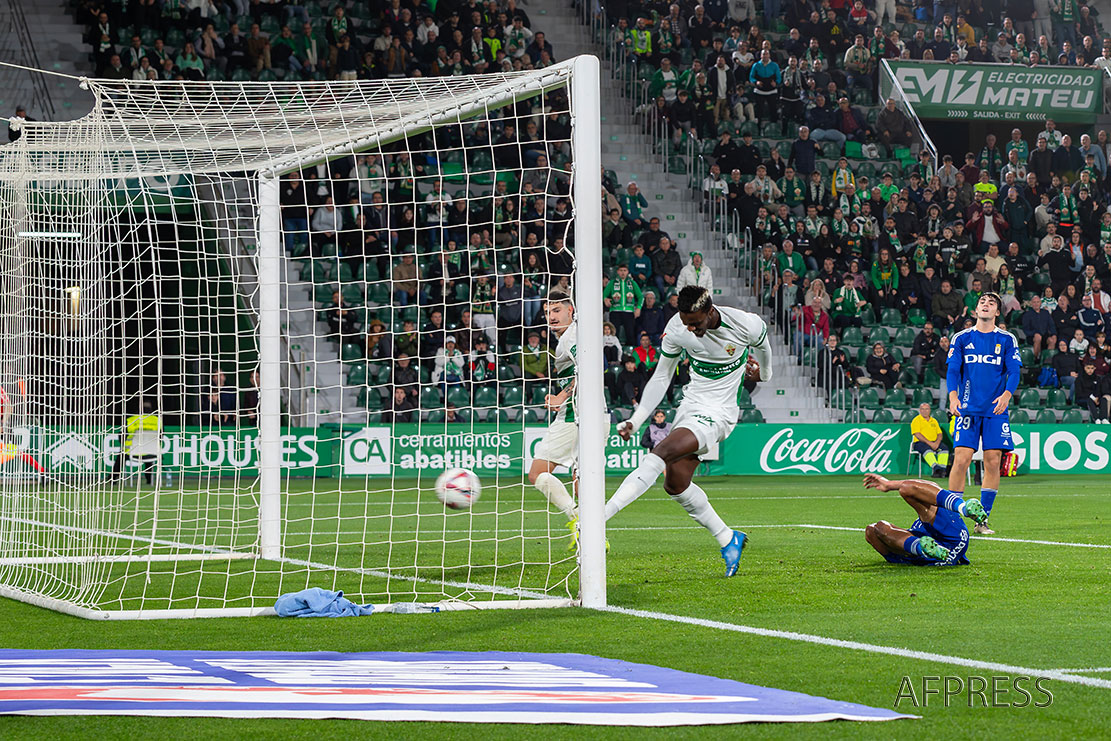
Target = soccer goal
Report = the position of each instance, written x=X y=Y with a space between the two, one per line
x=245 y=326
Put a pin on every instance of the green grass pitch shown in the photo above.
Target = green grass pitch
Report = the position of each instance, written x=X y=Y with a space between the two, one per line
x=1023 y=604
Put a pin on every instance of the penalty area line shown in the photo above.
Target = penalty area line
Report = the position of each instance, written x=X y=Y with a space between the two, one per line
x=1055 y=674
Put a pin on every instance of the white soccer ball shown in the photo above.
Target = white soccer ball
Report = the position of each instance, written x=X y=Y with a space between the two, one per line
x=458 y=488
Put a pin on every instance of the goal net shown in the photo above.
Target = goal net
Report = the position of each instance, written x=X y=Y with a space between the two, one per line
x=245 y=326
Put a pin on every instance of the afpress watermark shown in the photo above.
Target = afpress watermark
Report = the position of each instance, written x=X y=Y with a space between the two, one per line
x=1001 y=691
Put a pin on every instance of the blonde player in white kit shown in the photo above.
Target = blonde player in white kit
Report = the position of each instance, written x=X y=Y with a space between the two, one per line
x=717 y=341
x=560 y=446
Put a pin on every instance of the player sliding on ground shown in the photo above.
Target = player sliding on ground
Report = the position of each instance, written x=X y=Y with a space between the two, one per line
x=937 y=538
x=560 y=444
x=717 y=340
x=984 y=371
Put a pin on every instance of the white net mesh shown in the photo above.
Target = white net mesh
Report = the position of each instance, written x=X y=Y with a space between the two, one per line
x=132 y=328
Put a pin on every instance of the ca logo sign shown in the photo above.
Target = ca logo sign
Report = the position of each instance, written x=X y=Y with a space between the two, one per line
x=367 y=452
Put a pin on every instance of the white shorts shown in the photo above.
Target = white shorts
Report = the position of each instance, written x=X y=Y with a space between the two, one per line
x=710 y=424
x=560 y=445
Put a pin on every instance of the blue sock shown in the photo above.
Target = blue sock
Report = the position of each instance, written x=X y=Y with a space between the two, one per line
x=987 y=498
x=913 y=547
x=951 y=500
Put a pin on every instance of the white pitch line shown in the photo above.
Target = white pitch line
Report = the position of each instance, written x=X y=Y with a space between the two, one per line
x=1089 y=670
x=801 y=526
x=858 y=646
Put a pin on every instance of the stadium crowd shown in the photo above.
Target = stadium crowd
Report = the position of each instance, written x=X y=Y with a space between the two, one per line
x=856 y=227
x=842 y=246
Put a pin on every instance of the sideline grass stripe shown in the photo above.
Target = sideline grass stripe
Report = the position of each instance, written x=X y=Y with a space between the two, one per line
x=1056 y=674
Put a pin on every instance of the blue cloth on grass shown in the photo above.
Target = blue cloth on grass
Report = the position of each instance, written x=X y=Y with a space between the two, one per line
x=317 y=602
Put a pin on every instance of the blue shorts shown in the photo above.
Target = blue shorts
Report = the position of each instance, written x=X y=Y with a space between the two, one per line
x=949 y=530
x=987 y=432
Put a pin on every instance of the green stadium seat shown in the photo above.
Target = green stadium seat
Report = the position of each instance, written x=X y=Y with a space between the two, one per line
x=431 y=398
x=486 y=398
x=908 y=414
x=1071 y=417
x=868 y=316
x=513 y=396
x=752 y=416
x=879 y=334
x=856 y=417
x=917 y=317
x=841 y=399
x=1026 y=355
x=892 y=318
x=357 y=375
x=883 y=417
x=744 y=400
x=458 y=397
x=350 y=352
x=870 y=398
x=904 y=336
x=931 y=378
x=1057 y=399
x=436 y=415
x=1029 y=399
x=536 y=396
x=1020 y=417
x=908 y=379
x=852 y=336
x=922 y=396
x=1046 y=417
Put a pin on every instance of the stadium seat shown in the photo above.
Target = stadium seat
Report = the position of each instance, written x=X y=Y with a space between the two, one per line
x=879 y=334
x=1071 y=417
x=752 y=416
x=357 y=375
x=922 y=396
x=351 y=352
x=856 y=417
x=870 y=398
x=431 y=397
x=908 y=379
x=1020 y=417
x=486 y=397
x=436 y=415
x=931 y=378
x=904 y=337
x=892 y=318
x=883 y=417
x=916 y=317
x=907 y=415
x=1026 y=355
x=1057 y=399
x=458 y=397
x=868 y=316
x=513 y=396
x=1046 y=417
x=744 y=400
x=852 y=336
x=841 y=399
x=1029 y=399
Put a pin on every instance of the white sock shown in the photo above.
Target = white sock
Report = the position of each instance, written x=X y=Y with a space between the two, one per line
x=556 y=492
x=635 y=484
x=697 y=505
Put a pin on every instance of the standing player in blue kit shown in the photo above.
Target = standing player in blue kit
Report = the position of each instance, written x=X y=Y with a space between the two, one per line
x=984 y=370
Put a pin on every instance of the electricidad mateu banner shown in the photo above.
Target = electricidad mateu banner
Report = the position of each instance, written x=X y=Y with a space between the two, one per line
x=1002 y=92
x=407 y=450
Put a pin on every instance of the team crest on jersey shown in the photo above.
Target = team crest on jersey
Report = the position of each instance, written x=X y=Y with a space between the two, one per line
x=730 y=348
x=998 y=349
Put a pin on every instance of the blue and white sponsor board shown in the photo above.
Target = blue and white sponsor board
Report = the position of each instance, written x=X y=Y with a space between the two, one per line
x=489 y=687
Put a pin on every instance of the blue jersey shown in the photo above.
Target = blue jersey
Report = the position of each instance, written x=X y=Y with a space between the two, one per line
x=981 y=366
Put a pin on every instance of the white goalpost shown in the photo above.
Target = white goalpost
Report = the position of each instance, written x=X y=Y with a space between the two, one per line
x=244 y=326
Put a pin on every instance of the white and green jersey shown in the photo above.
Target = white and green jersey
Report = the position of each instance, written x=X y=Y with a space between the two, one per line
x=566 y=350
x=717 y=359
